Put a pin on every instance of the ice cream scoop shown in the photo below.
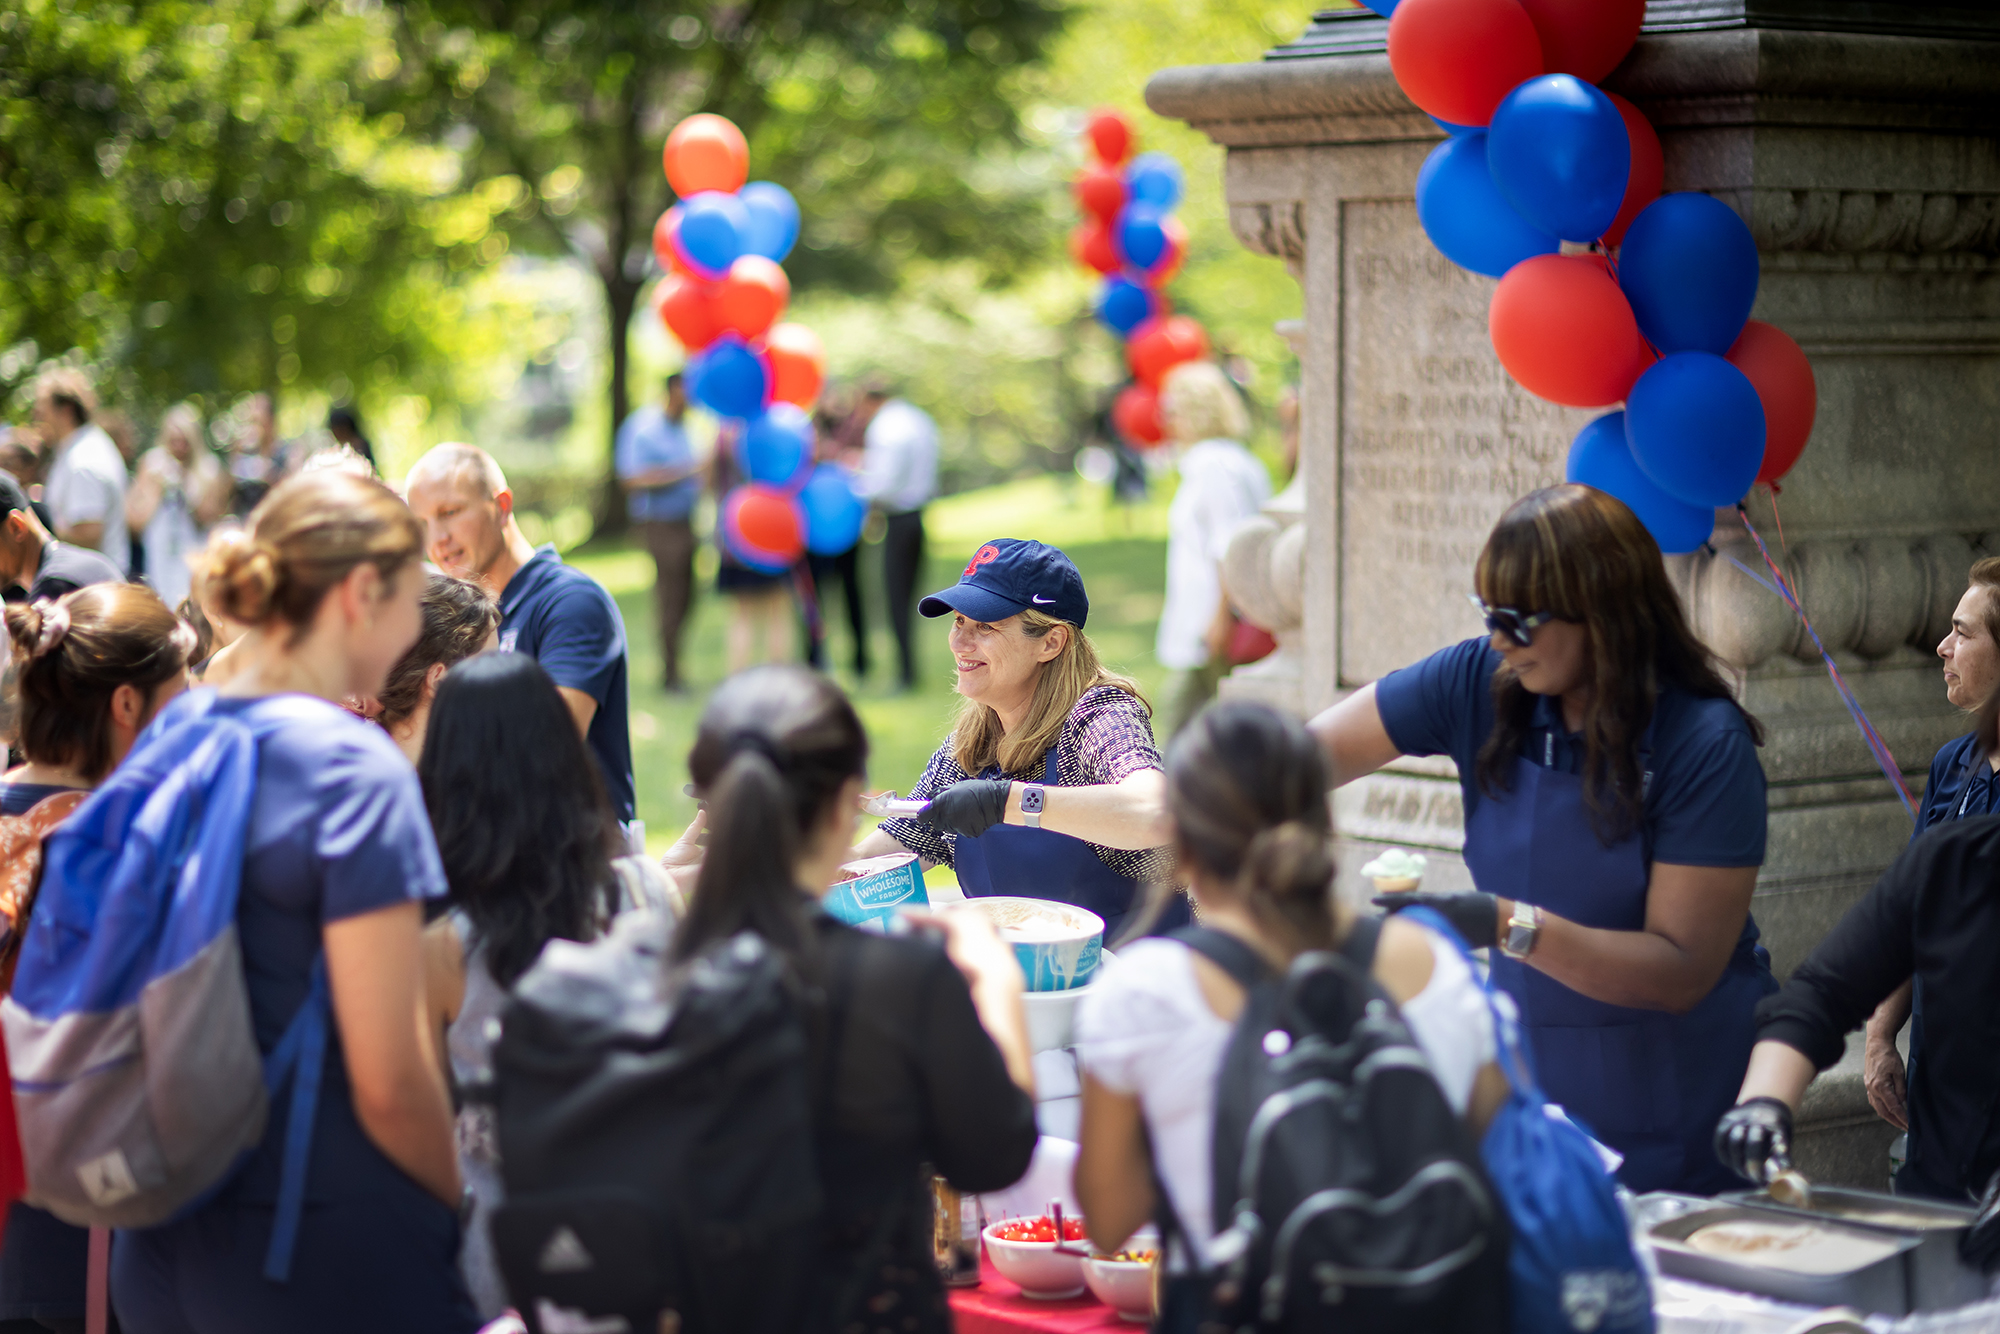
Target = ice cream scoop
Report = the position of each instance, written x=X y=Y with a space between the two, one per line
x=1396 y=871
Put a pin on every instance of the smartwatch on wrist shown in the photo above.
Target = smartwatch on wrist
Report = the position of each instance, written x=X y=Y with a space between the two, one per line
x=1523 y=928
x=1032 y=797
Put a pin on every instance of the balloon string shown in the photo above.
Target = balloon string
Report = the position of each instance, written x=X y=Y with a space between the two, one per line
x=1777 y=518
x=1885 y=760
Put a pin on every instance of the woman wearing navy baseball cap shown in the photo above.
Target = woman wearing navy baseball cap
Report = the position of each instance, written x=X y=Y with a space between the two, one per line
x=1050 y=785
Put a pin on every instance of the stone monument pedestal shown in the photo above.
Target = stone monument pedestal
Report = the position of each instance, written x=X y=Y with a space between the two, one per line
x=1859 y=142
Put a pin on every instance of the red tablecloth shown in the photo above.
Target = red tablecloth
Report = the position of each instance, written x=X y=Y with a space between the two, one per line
x=997 y=1307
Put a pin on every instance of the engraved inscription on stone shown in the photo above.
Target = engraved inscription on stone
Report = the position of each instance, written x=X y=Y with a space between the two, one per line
x=1438 y=441
x=1402 y=809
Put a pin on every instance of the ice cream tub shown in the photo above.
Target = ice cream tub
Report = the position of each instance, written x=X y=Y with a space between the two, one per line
x=872 y=891
x=1059 y=945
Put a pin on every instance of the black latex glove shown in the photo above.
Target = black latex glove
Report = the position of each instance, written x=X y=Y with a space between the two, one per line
x=1752 y=1134
x=1981 y=1245
x=968 y=807
x=1475 y=916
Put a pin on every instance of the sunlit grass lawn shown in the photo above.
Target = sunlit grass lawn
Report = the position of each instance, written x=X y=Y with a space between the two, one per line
x=1121 y=552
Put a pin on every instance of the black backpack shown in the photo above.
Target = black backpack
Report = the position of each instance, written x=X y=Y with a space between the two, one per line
x=1347 y=1193
x=657 y=1138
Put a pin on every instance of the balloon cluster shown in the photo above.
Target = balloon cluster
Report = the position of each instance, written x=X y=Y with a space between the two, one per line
x=1656 y=312
x=1129 y=235
x=721 y=247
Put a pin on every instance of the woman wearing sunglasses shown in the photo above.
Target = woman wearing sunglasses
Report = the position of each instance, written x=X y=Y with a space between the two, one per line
x=1614 y=824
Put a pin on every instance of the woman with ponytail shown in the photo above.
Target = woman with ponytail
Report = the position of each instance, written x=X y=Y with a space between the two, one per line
x=338 y=859
x=92 y=668
x=926 y=1030
x=1247 y=793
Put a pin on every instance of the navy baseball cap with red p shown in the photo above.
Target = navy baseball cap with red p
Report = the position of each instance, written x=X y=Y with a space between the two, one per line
x=1010 y=575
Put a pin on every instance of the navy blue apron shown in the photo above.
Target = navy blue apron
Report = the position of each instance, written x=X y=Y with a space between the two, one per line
x=1649 y=1084
x=1028 y=863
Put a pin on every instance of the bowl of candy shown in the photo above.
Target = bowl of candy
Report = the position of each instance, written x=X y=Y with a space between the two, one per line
x=1024 y=1251
x=1123 y=1280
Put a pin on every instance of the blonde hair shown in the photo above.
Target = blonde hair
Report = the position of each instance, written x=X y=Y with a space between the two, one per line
x=467 y=467
x=1198 y=402
x=976 y=738
x=181 y=419
x=305 y=537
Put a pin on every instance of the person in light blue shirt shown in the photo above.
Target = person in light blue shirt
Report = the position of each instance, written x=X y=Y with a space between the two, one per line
x=661 y=475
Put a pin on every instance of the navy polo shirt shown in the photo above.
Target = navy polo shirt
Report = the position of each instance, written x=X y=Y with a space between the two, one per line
x=1956 y=767
x=1704 y=806
x=563 y=618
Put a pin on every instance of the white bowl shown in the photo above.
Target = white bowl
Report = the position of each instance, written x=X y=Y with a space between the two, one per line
x=1052 y=1014
x=1126 y=1286
x=1043 y=1272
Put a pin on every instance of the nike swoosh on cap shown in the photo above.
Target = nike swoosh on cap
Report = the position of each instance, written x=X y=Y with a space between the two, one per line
x=1038 y=598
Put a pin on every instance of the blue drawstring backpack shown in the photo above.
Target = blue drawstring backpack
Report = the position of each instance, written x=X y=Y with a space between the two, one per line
x=1572 y=1270
x=138 y=1084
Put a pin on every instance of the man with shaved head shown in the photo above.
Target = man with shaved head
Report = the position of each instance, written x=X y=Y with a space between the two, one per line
x=550 y=611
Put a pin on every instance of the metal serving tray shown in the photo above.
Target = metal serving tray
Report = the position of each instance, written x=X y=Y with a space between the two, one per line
x=1939 y=1280
x=1881 y=1286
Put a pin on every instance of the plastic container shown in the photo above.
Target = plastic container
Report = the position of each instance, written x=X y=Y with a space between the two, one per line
x=876 y=889
x=1069 y=943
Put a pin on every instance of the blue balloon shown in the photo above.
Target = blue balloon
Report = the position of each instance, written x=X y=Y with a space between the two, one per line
x=1559 y=152
x=1466 y=216
x=1697 y=428
x=1450 y=128
x=1689 y=267
x=713 y=226
x=774 y=220
x=1123 y=305
x=777 y=447
x=1142 y=235
x=1154 y=178
x=1386 y=8
x=1602 y=457
x=834 y=513
x=729 y=379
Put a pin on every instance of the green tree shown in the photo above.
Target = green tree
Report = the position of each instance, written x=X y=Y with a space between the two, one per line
x=208 y=198
x=889 y=119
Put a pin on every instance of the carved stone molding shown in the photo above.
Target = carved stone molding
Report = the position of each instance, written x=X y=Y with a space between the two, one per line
x=1870 y=221
x=1867 y=596
x=1278 y=230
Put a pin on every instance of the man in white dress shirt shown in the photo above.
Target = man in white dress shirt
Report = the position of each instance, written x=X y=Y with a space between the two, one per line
x=85 y=490
x=898 y=474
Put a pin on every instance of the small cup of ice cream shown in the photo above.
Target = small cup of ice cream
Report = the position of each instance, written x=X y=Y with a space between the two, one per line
x=1396 y=871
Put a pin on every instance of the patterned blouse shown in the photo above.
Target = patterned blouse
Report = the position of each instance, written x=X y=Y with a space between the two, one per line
x=1107 y=738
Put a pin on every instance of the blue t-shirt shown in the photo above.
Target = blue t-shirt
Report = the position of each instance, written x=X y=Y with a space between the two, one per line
x=646 y=440
x=1704 y=807
x=338 y=829
x=563 y=618
x=1955 y=769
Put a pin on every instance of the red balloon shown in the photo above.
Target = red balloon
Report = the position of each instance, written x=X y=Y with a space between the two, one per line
x=798 y=364
x=687 y=307
x=753 y=295
x=1136 y=415
x=766 y=519
x=1565 y=331
x=1110 y=134
x=1649 y=169
x=1458 y=58
x=706 y=152
x=1159 y=345
x=1094 y=248
x=1783 y=378
x=1100 y=193
x=1586 y=38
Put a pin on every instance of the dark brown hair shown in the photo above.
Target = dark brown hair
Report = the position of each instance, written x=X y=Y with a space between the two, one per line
x=458 y=617
x=1986 y=574
x=776 y=745
x=1247 y=789
x=117 y=635
x=1582 y=556
x=301 y=540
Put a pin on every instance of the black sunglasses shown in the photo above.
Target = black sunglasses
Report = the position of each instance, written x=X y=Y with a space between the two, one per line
x=1506 y=621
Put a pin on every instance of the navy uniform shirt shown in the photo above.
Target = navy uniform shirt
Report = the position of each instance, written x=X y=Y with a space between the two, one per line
x=1961 y=784
x=563 y=618
x=1704 y=807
